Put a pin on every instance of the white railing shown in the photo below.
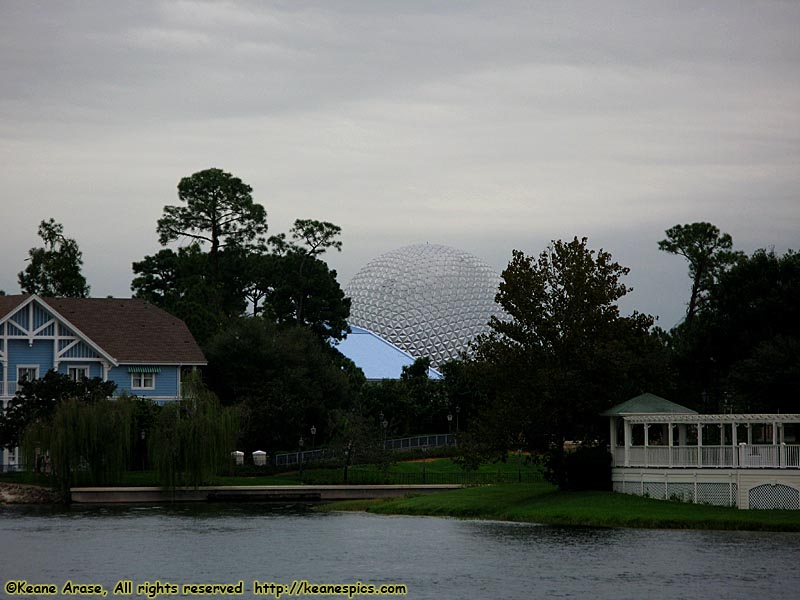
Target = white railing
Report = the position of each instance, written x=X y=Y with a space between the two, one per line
x=9 y=390
x=791 y=455
x=684 y=456
x=658 y=456
x=718 y=456
x=759 y=455
x=744 y=456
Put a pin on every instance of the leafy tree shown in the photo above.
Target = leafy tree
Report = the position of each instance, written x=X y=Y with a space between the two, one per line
x=284 y=281
x=709 y=254
x=192 y=439
x=411 y=405
x=88 y=442
x=219 y=210
x=305 y=292
x=55 y=269
x=316 y=236
x=562 y=354
x=285 y=377
x=305 y=278
x=37 y=400
x=183 y=284
x=740 y=352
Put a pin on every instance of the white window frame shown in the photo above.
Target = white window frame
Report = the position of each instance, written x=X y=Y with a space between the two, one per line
x=35 y=370
x=138 y=381
x=85 y=368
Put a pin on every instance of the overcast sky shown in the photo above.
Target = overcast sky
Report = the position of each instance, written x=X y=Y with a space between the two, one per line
x=482 y=125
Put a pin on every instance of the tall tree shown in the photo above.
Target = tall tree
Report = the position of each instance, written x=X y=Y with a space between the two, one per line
x=316 y=236
x=563 y=353
x=183 y=284
x=741 y=352
x=286 y=379
x=219 y=210
x=305 y=292
x=709 y=253
x=55 y=269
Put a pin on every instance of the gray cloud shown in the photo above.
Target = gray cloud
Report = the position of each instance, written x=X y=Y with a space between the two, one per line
x=482 y=125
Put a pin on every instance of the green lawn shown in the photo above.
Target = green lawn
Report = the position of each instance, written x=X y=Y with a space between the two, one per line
x=543 y=503
x=440 y=470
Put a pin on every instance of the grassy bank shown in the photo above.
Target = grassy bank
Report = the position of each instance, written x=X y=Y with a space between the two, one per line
x=543 y=503
x=437 y=470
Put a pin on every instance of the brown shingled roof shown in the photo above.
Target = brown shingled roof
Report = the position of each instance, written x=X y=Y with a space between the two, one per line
x=130 y=330
x=9 y=303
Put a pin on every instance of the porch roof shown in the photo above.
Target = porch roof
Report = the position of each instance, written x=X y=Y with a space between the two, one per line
x=722 y=419
x=647 y=404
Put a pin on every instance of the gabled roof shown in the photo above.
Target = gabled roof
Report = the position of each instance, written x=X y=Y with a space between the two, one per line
x=130 y=330
x=376 y=357
x=9 y=303
x=647 y=404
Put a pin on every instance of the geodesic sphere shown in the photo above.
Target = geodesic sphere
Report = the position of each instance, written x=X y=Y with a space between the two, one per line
x=427 y=299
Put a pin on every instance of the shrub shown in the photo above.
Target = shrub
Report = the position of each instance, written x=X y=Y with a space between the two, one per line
x=586 y=468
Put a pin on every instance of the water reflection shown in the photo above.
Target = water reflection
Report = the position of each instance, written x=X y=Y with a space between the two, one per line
x=436 y=558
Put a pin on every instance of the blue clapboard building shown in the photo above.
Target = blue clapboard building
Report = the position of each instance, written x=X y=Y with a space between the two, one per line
x=138 y=346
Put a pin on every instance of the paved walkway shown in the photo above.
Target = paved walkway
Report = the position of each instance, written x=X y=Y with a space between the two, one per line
x=250 y=493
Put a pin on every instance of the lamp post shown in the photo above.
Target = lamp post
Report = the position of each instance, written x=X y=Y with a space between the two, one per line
x=458 y=410
x=347 y=452
x=301 y=458
x=313 y=441
x=424 y=462
x=519 y=465
x=449 y=423
x=142 y=436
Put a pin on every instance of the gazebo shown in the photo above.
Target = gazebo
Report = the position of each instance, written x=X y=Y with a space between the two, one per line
x=665 y=450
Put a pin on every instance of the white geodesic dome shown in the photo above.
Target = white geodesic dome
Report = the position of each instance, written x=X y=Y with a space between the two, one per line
x=427 y=299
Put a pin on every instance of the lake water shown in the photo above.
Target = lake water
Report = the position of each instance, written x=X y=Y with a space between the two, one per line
x=435 y=558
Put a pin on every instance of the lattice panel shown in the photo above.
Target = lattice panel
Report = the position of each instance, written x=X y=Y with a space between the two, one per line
x=633 y=487
x=654 y=490
x=774 y=496
x=718 y=494
x=618 y=487
x=684 y=492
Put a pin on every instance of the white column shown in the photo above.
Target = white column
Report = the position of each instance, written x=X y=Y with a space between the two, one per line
x=646 y=444
x=749 y=433
x=670 y=441
x=774 y=434
x=699 y=444
x=56 y=362
x=734 y=445
x=627 y=443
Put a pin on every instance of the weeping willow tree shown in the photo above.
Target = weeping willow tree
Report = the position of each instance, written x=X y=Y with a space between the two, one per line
x=83 y=442
x=192 y=439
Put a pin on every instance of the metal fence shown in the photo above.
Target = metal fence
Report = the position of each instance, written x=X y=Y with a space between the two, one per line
x=417 y=442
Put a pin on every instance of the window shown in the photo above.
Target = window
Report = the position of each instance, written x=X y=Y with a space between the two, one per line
x=78 y=373
x=143 y=381
x=27 y=373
